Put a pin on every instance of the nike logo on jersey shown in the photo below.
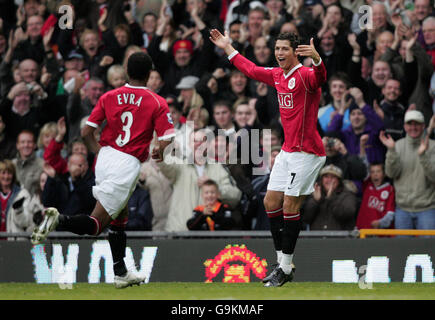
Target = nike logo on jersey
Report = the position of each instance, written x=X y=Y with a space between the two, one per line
x=276 y=82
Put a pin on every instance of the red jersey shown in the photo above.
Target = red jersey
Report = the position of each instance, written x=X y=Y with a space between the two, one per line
x=132 y=114
x=376 y=203
x=298 y=97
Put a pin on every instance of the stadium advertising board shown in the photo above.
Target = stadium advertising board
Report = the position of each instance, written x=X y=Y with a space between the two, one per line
x=220 y=260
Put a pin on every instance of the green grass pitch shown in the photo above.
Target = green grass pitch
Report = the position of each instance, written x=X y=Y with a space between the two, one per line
x=219 y=291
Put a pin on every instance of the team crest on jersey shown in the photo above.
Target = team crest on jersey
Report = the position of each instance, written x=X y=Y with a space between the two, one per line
x=384 y=194
x=292 y=83
x=170 y=118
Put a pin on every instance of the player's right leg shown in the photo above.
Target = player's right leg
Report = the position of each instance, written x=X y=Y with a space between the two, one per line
x=273 y=202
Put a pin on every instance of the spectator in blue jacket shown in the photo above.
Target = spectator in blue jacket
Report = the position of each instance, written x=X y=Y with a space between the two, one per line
x=362 y=137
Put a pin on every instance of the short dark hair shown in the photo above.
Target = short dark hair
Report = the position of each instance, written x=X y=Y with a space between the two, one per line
x=222 y=103
x=342 y=76
x=211 y=182
x=291 y=37
x=27 y=131
x=237 y=21
x=139 y=66
x=149 y=13
x=377 y=164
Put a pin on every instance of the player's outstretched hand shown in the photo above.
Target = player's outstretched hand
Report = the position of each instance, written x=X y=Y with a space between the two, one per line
x=219 y=39
x=305 y=50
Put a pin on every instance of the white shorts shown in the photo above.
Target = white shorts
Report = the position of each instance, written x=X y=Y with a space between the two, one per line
x=116 y=175
x=295 y=173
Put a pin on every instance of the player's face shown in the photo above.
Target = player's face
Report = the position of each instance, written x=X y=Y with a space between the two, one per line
x=285 y=55
x=210 y=195
x=377 y=174
x=25 y=145
x=414 y=129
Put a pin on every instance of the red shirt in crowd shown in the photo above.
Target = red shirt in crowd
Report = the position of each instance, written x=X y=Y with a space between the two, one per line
x=376 y=203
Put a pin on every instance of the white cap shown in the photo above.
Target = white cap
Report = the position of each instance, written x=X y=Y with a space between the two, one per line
x=187 y=82
x=414 y=115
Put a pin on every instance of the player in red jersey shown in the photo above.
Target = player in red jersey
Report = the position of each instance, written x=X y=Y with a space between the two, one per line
x=302 y=156
x=133 y=113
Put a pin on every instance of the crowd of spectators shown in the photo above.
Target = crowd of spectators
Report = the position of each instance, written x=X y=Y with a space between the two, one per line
x=375 y=117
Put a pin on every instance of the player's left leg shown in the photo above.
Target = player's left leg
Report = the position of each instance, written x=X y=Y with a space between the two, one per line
x=118 y=242
x=80 y=224
x=292 y=227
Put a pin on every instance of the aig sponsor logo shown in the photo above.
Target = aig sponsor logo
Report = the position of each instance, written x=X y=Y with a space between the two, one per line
x=285 y=100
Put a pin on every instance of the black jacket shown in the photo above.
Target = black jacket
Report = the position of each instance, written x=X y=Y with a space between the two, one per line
x=71 y=198
x=140 y=212
x=221 y=219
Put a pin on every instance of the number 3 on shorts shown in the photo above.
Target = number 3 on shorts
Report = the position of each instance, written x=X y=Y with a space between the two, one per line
x=127 y=121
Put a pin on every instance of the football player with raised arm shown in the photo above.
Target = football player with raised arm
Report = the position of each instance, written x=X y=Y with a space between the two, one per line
x=302 y=156
x=132 y=113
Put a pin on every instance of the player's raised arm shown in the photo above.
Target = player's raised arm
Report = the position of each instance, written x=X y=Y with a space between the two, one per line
x=249 y=68
x=319 y=76
x=221 y=41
